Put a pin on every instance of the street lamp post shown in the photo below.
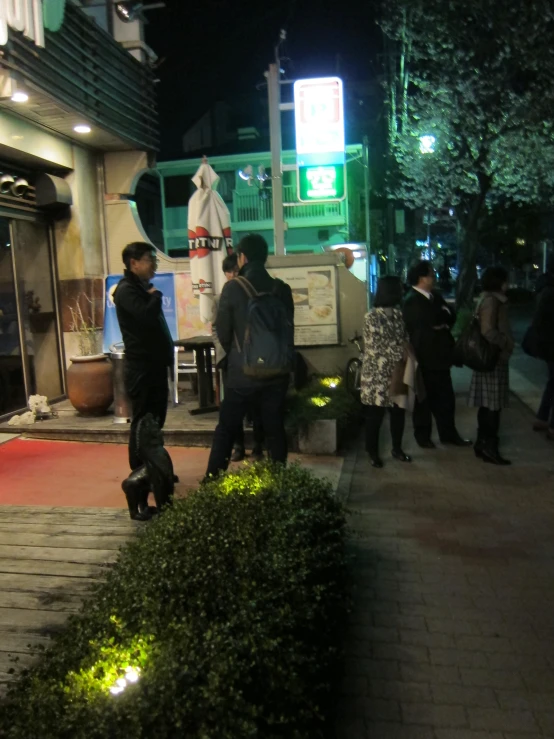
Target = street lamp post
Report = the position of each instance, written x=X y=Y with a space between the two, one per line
x=427 y=146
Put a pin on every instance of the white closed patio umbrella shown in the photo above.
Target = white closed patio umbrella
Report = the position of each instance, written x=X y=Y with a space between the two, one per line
x=209 y=229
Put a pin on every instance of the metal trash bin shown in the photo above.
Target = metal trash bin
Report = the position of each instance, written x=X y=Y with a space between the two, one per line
x=121 y=401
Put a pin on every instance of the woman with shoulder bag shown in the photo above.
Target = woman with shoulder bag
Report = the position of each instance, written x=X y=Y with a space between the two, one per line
x=489 y=391
x=385 y=339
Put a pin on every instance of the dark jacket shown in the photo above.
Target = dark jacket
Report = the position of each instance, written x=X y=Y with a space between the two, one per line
x=433 y=346
x=543 y=320
x=143 y=326
x=230 y=323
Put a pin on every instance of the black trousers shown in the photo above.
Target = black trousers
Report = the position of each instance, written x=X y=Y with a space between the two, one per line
x=269 y=403
x=374 y=415
x=253 y=415
x=440 y=402
x=148 y=390
x=488 y=423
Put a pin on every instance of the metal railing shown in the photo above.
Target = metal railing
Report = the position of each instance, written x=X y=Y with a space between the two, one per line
x=249 y=206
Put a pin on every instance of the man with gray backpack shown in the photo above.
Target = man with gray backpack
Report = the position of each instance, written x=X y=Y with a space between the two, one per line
x=255 y=326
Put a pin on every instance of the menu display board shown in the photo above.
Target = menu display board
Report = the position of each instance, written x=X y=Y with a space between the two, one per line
x=314 y=291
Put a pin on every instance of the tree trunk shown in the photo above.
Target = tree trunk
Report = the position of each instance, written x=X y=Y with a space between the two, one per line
x=468 y=217
x=467 y=276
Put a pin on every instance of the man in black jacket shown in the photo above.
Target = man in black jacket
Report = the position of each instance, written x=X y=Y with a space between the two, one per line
x=148 y=343
x=266 y=397
x=428 y=320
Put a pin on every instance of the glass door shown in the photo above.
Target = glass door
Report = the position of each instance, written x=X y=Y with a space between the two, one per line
x=12 y=374
x=38 y=313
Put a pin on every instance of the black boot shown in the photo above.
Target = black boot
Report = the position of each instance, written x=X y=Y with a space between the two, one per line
x=491 y=454
x=479 y=444
x=257 y=453
x=136 y=488
x=483 y=431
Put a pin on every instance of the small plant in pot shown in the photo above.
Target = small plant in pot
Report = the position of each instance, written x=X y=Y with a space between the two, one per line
x=90 y=374
x=320 y=413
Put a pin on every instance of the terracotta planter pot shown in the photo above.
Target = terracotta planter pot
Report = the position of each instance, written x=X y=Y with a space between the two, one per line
x=90 y=384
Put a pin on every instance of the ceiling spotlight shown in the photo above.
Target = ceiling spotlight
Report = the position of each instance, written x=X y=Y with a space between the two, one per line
x=19 y=187
x=19 y=97
x=82 y=128
x=6 y=181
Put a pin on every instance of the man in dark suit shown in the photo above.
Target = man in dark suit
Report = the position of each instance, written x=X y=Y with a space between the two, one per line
x=429 y=320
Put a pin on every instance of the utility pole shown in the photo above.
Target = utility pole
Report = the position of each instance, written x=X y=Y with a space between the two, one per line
x=274 y=99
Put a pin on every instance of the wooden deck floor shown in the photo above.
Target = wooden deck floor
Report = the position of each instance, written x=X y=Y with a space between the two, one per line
x=49 y=559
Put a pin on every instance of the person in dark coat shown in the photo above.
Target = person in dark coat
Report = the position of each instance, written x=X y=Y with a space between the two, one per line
x=543 y=322
x=429 y=321
x=266 y=397
x=490 y=391
x=230 y=270
x=149 y=350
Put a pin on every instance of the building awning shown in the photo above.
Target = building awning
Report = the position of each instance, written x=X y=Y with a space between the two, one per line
x=82 y=76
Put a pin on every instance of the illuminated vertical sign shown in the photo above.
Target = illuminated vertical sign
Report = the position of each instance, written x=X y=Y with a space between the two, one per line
x=320 y=144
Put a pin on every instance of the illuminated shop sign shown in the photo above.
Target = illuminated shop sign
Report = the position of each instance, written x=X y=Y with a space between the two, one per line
x=320 y=145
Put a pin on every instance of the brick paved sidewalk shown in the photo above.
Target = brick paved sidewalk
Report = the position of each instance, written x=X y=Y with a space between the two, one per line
x=452 y=634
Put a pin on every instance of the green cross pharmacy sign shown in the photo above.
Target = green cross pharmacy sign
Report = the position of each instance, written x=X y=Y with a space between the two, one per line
x=320 y=144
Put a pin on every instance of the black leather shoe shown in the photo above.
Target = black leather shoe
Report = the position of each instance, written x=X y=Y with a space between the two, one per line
x=458 y=441
x=376 y=462
x=237 y=455
x=478 y=448
x=257 y=454
x=426 y=444
x=492 y=456
x=400 y=456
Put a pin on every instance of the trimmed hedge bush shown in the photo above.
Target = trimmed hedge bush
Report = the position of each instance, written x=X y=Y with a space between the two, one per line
x=227 y=609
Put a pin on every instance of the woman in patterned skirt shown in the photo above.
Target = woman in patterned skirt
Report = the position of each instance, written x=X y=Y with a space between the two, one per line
x=385 y=339
x=489 y=391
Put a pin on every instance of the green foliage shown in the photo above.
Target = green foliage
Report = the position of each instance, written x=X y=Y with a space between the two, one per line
x=480 y=83
x=227 y=608
x=323 y=399
x=476 y=76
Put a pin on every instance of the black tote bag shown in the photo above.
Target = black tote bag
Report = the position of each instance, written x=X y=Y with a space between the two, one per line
x=474 y=351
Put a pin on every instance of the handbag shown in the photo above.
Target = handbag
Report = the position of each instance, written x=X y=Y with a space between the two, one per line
x=396 y=385
x=474 y=351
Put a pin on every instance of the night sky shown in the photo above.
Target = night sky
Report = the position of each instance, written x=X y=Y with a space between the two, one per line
x=211 y=50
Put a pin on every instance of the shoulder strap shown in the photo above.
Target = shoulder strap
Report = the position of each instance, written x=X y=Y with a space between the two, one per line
x=247 y=286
